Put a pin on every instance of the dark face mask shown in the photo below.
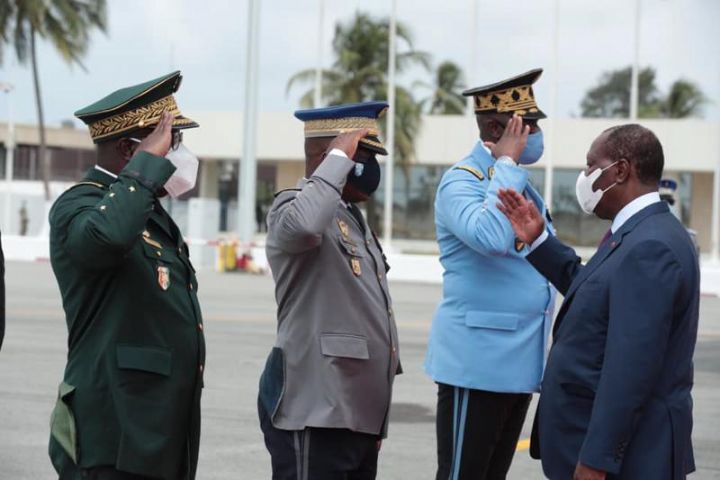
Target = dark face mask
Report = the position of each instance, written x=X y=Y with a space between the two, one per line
x=365 y=176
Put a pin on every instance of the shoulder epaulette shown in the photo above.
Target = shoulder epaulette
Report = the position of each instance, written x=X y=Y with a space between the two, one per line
x=94 y=184
x=286 y=190
x=477 y=173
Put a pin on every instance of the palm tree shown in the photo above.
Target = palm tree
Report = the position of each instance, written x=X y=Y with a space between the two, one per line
x=684 y=100
x=446 y=98
x=359 y=73
x=66 y=24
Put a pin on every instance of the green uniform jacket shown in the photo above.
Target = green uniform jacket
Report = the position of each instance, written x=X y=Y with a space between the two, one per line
x=130 y=398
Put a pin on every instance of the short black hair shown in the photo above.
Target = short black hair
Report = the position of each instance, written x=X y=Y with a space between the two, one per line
x=639 y=146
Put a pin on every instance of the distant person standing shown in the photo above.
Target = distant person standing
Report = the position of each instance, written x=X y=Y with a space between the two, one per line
x=24 y=220
x=668 y=194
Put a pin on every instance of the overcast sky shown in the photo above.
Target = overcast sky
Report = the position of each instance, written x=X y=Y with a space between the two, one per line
x=206 y=40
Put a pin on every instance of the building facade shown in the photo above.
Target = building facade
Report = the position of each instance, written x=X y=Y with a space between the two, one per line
x=692 y=156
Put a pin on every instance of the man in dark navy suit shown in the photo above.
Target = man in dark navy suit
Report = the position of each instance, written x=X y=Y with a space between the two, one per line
x=615 y=399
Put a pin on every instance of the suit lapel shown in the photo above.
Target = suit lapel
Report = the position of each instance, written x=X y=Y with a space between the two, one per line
x=610 y=246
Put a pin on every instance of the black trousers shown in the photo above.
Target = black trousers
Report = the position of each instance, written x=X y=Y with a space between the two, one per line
x=477 y=432
x=319 y=453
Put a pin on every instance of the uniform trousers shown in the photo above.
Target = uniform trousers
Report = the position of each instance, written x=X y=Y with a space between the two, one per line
x=319 y=453
x=477 y=432
x=101 y=473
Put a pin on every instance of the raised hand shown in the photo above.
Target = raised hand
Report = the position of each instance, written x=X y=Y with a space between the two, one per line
x=513 y=141
x=158 y=142
x=348 y=142
x=526 y=221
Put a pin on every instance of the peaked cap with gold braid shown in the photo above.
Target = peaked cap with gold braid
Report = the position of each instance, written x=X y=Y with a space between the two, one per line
x=514 y=95
x=134 y=108
x=332 y=121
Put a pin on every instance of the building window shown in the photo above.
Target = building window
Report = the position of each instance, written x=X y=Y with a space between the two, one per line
x=573 y=226
x=413 y=198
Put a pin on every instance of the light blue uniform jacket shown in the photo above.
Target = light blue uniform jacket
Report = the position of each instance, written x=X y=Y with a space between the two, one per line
x=491 y=329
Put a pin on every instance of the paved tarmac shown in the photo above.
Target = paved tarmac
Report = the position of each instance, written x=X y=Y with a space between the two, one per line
x=239 y=316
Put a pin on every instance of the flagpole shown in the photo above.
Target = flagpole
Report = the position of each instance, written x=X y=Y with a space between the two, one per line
x=550 y=150
x=634 y=87
x=470 y=108
x=390 y=142
x=317 y=100
x=248 y=163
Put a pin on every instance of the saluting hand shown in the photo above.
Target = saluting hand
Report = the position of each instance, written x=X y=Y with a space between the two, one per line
x=158 y=142
x=526 y=221
x=513 y=140
x=348 y=142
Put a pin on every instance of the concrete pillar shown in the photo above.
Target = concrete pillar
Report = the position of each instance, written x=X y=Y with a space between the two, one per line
x=702 y=208
x=203 y=223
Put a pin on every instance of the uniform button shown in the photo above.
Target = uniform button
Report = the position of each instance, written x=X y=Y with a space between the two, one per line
x=379 y=276
x=201 y=368
x=131 y=188
x=159 y=254
x=367 y=242
x=112 y=194
x=102 y=208
x=190 y=286
x=390 y=311
x=179 y=249
x=200 y=327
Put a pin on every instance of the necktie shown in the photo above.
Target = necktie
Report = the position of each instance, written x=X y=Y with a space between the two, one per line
x=605 y=238
x=355 y=212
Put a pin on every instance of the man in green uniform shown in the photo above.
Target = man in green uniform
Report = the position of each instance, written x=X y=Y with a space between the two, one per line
x=129 y=403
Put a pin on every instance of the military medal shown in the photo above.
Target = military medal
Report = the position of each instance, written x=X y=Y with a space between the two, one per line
x=491 y=172
x=355 y=264
x=343 y=228
x=163 y=277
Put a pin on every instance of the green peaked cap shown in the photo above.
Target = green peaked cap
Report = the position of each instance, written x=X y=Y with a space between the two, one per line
x=134 y=108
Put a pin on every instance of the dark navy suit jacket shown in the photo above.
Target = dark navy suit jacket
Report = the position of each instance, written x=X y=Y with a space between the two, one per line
x=616 y=391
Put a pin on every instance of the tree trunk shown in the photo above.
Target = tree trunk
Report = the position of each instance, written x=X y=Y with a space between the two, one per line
x=42 y=150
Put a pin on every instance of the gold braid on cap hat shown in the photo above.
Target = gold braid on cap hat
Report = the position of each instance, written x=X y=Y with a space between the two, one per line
x=330 y=127
x=137 y=118
x=518 y=100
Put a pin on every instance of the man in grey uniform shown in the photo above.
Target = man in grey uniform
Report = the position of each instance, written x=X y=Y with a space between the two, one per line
x=325 y=392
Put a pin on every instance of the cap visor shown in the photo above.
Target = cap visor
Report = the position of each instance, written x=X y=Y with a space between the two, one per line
x=373 y=144
x=180 y=123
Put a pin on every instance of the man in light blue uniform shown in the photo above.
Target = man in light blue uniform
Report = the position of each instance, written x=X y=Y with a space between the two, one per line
x=489 y=334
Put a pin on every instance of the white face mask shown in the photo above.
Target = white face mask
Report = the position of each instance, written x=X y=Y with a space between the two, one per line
x=186 y=164
x=586 y=196
x=184 y=178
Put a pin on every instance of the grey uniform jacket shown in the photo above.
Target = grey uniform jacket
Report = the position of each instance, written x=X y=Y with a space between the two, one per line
x=336 y=352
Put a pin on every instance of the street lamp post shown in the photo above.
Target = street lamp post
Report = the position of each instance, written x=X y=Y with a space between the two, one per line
x=9 y=155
